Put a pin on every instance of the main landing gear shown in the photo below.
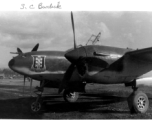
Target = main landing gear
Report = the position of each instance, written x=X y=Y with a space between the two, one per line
x=70 y=96
x=138 y=101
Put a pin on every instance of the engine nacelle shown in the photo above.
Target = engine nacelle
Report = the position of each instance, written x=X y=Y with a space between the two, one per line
x=144 y=81
x=141 y=82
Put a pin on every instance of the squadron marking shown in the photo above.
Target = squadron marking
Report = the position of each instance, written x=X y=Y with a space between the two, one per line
x=38 y=63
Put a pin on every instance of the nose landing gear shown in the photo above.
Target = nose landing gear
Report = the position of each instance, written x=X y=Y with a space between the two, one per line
x=36 y=106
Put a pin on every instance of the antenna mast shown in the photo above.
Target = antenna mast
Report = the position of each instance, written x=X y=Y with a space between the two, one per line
x=97 y=37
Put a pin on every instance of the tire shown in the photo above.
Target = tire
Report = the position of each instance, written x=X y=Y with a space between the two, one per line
x=138 y=102
x=36 y=107
x=70 y=96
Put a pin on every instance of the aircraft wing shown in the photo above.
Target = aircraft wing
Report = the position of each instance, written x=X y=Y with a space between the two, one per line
x=137 y=60
x=142 y=54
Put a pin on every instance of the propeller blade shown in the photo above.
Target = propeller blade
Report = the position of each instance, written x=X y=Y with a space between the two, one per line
x=36 y=47
x=66 y=78
x=14 y=52
x=19 y=50
x=69 y=72
x=73 y=29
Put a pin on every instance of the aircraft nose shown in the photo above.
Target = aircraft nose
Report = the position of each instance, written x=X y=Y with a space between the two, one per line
x=11 y=63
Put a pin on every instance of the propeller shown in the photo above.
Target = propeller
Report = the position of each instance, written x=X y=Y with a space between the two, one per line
x=35 y=48
x=66 y=77
x=70 y=70
x=19 y=51
x=73 y=29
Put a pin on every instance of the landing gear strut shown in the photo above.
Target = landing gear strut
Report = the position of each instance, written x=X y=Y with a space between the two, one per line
x=138 y=101
x=37 y=105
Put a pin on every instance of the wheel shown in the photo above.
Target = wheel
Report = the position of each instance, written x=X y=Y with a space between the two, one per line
x=70 y=96
x=138 y=102
x=36 y=106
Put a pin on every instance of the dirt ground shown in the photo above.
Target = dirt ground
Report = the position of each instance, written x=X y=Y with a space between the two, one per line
x=99 y=102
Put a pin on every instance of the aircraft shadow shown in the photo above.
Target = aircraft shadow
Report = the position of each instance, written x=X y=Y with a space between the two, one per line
x=86 y=103
x=20 y=108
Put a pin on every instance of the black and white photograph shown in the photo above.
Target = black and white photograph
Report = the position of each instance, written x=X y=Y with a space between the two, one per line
x=59 y=62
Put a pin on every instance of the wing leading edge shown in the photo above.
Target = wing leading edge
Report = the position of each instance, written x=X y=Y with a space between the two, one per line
x=133 y=63
x=142 y=54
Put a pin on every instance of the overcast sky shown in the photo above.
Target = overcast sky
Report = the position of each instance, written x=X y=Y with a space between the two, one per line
x=53 y=30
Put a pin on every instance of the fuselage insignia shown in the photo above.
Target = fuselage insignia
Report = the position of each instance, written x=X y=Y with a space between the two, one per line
x=38 y=63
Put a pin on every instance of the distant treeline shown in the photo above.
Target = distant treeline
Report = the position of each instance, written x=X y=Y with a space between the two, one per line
x=8 y=72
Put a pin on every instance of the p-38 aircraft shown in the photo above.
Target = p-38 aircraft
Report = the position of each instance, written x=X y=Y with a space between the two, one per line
x=71 y=70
